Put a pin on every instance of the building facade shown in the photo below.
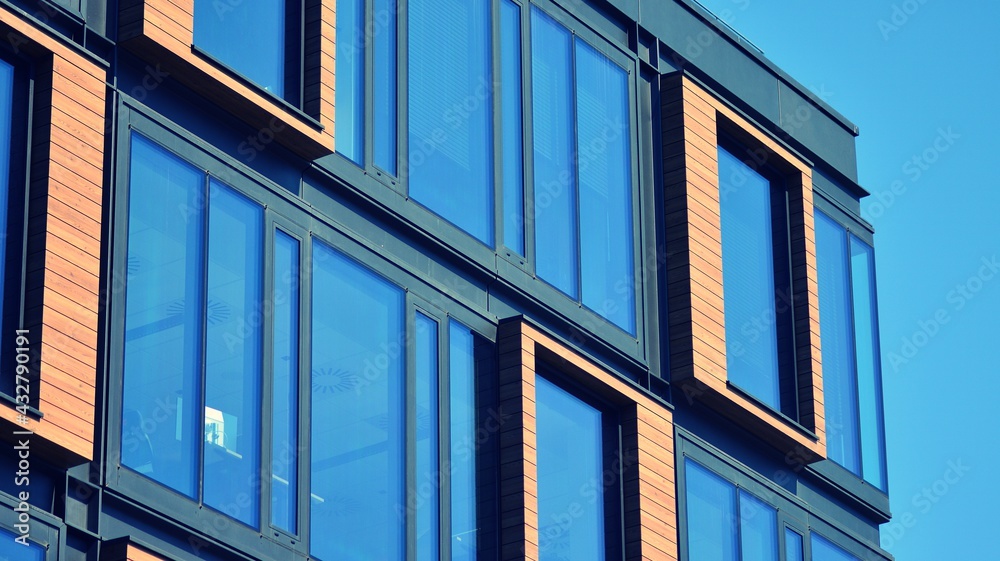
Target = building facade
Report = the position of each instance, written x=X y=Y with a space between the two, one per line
x=373 y=280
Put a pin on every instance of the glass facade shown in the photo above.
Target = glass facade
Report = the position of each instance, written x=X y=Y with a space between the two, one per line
x=349 y=125
x=221 y=28
x=358 y=411
x=711 y=515
x=382 y=36
x=10 y=549
x=285 y=353
x=824 y=550
x=512 y=115
x=582 y=172
x=451 y=113
x=570 y=475
x=463 y=445
x=748 y=279
x=852 y=379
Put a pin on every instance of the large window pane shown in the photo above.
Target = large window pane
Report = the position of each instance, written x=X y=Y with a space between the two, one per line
x=570 y=472
x=450 y=112
x=10 y=549
x=836 y=327
x=358 y=442
x=462 y=396
x=284 y=383
x=824 y=550
x=222 y=29
x=349 y=126
x=758 y=529
x=556 y=232
x=233 y=373
x=6 y=107
x=163 y=318
x=868 y=365
x=513 y=133
x=711 y=515
x=748 y=280
x=605 y=169
x=384 y=98
x=428 y=476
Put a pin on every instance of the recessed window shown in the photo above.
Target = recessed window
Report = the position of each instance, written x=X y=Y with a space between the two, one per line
x=852 y=378
x=271 y=59
x=756 y=276
x=573 y=507
x=350 y=80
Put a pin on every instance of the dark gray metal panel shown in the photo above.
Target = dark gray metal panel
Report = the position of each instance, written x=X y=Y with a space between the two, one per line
x=829 y=187
x=713 y=54
x=811 y=126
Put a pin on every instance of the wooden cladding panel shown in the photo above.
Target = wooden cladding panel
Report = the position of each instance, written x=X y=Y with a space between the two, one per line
x=64 y=243
x=650 y=517
x=162 y=31
x=691 y=120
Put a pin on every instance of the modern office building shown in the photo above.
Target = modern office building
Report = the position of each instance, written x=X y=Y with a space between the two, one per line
x=379 y=280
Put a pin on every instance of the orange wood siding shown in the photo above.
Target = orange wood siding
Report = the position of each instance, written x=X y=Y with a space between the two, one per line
x=648 y=479
x=162 y=32
x=692 y=118
x=64 y=242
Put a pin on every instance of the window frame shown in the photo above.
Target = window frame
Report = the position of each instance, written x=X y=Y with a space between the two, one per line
x=12 y=297
x=793 y=512
x=392 y=192
x=612 y=446
x=870 y=494
x=293 y=50
x=286 y=212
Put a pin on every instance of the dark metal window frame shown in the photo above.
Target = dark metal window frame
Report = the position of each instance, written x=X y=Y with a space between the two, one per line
x=788 y=373
x=793 y=512
x=12 y=296
x=47 y=531
x=391 y=192
x=296 y=35
x=613 y=444
x=285 y=212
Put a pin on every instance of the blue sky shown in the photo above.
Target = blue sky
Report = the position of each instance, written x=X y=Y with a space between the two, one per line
x=921 y=79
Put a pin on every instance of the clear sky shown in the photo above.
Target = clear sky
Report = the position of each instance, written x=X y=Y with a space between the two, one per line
x=921 y=78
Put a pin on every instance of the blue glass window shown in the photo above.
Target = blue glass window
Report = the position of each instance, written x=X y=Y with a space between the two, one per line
x=384 y=94
x=358 y=405
x=462 y=396
x=221 y=29
x=450 y=160
x=793 y=546
x=570 y=476
x=837 y=338
x=711 y=515
x=868 y=364
x=6 y=116
x=233 y=343
x=604 y=162
x=284 y=383
x=852 y=378
x=754 y=268
x=349 y=125
x=10 y=549
x=512 y=112
x=425 y=496
x=582 y=172
x=556 y=251
x=163 y=318
x=758 y=529
x=824 y=550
